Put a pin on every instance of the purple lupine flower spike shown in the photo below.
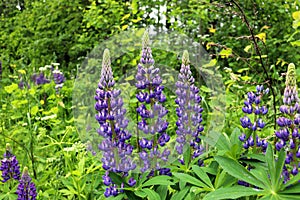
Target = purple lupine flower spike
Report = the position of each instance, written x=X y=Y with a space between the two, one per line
x=110 y=115
x=252 y=105
x=59 y=79
x=288 y=135
x=189 y=110
x=9 y=166
x=153 y=124
x=26 y=189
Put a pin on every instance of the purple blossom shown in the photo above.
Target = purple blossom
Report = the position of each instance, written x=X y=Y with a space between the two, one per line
x=9 y=166
x=288 y=134
x=153 y=125
x=189 y=111
x=26 y=189
x=39 y=79
x=59 y=79
x=252 y=105
x=110 y=115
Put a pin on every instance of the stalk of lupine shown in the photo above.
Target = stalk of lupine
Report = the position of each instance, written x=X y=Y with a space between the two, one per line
x=152 y=112
x=9 y=166
x=189 y=111
x=26 y=189
x=59 y=79
x=111 y=117
x=288 y=135
x=252 y=106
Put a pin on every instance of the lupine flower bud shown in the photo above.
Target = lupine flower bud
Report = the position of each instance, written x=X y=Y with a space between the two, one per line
x=26 y=189
x=189 y=115
x=9 y=166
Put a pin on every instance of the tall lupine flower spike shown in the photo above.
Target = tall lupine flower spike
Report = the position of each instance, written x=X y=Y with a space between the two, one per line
x=59 y=79
x=9 y=166
x=111 y=117
x=288 y=135
x=152 y=112
x=253 y=106
x=26 y=189
x=189 y=111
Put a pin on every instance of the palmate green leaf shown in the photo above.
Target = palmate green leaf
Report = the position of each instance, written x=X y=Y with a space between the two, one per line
x=232 y=193
x=271 y=163
x=279 y=167
x=292 y=181
x=235 y=169
x=158 y=180
x=202 y=175
x=295 y=189
x=189 y=179
x=151 y=195
x=162 y=191
x=181 y=194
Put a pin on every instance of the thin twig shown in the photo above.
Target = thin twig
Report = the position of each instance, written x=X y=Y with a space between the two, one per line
x=260 y=58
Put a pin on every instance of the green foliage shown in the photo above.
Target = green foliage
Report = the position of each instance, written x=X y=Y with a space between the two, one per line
x=39 y=122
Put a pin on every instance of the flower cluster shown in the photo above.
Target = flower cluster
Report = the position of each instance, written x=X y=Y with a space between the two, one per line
x=252 y=106
x=152 y=112
x=9 y=166
x=111 y=117
x=39 y=79
x=26 y=189
x=288 y=136
x=59 y=79
x=189 y=111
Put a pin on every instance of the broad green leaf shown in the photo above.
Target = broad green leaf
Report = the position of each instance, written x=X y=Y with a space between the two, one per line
x=235 y=169
x=292 y=181
x=181 y=194
x=162 y=191
x=278 y=167
x=152 y=195
x=189 y=179
x=158 y=180
x=232 y=193
x=225 y=53
x=140 y=193
x=295 y=189
x=271 y=164
x=202 y=175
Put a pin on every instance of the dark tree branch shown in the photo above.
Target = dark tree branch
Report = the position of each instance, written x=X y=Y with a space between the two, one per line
x=258 y=52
